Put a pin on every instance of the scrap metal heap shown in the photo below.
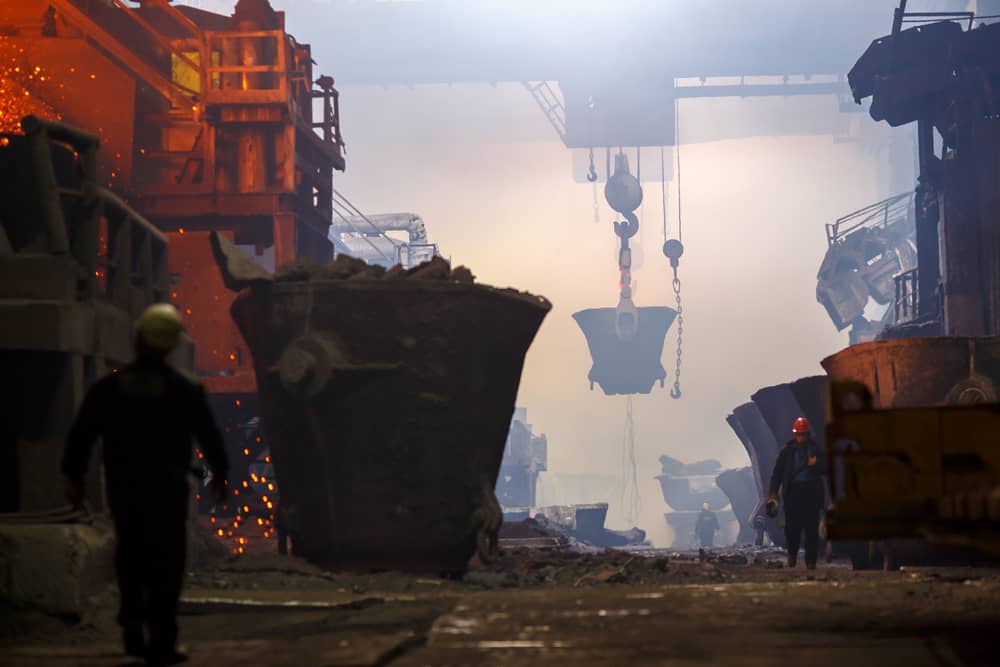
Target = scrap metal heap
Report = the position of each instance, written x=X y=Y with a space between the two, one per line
x=867 y=249
x=525 y=456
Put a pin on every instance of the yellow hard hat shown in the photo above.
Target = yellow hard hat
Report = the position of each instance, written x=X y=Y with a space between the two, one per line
x=160 y=326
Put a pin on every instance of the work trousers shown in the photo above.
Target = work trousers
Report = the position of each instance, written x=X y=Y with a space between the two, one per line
x=151 y=534
x=706 y=538
x=803 y=506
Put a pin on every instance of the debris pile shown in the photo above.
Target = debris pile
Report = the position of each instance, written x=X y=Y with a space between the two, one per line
x=345 y=267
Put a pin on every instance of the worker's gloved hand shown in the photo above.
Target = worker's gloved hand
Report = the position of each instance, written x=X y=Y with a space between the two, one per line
x=771 y=506
x=75 y=493
x=220 y=491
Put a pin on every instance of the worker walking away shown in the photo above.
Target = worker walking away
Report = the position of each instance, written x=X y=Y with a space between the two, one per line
x=798 y=475
x=147 y=415
x=706 y=526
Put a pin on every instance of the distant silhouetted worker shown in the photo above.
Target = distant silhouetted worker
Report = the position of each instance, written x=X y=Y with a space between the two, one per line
x=706 y=526
x=147 y=415
x=798 y=474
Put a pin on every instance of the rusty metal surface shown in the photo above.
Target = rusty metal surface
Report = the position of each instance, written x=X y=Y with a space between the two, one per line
x=908 y=472
x=922 y=371
x=387 y=405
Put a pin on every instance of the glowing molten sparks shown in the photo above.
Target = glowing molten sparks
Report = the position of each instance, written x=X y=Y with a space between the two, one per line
x=17 y=81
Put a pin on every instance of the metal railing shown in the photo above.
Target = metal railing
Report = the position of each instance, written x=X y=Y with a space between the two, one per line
x=122 y=257
x=247 y=82
x=906 y=303
x=880 y=214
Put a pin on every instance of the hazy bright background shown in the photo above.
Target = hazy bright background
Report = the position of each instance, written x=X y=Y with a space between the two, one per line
x=495 y=186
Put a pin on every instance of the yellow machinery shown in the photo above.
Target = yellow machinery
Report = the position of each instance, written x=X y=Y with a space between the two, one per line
x=913 y=473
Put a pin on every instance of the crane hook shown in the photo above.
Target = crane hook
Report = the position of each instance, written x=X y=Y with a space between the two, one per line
x=592 y=173
x=675 y=393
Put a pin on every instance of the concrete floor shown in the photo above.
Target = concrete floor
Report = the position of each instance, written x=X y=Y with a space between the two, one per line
x=727 y=615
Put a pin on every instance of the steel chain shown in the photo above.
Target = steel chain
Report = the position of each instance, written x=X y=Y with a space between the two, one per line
x=676 y=391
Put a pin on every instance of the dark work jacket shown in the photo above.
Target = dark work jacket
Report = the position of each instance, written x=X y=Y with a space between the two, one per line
x=707 y=522
x=784 y=467
x=147 y=416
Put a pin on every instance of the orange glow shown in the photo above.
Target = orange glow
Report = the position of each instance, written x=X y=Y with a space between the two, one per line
x=267 y=459
x=246 y=508
x=237 y=402
x=200 y=455
x=254 y=477
x=93 y=76
x=187 y=311
x=260 y=522
x=245 y=485
x=246 y=452
x=16 y=100
x=232 y=357
x=4 y=141
x=263 y=479
x=181 y=231
x=220 y=531
x=270 y=487
x=264 y=498
x=236 y=492
x=211 y=519
x=270 y=506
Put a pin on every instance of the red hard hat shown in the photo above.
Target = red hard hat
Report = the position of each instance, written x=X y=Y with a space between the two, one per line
x=801 y=426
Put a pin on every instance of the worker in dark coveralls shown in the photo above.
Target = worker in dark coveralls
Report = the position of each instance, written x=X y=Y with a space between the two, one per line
x=147 y=415
x=706 y=527
x=798 y=475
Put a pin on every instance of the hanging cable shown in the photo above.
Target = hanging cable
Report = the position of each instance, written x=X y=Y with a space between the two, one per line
x=663 y=191
x=673 y=249
x=677 y=143
x=631 y=502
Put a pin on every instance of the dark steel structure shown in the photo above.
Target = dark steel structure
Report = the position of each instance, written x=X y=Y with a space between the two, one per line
x=77 y=267
x=206 y=122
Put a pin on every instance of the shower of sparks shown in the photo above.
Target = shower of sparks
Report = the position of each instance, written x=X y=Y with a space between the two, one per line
x=20 y=85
